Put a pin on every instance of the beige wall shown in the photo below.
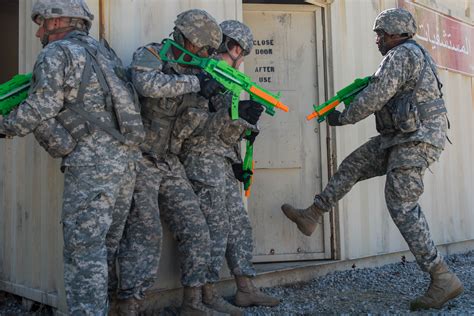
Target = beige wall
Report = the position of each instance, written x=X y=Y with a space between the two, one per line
x=30 y=181
x=365 y=224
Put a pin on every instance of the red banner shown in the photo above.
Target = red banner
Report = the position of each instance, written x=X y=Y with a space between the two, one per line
x=448 y=40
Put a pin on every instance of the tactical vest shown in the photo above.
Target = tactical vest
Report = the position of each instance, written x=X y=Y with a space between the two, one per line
x=403 y=113
x=121 y=116
x=159 y=116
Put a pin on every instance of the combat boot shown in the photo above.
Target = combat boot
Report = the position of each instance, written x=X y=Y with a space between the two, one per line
x=128 y=307
x=192 y=303
x=213 y=300
x=248 y=295
x=306 y=219
x=444 y=286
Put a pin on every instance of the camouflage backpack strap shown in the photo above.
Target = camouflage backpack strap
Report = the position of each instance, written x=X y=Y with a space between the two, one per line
x=106 y=121
x=427 y=60
x=433 y=107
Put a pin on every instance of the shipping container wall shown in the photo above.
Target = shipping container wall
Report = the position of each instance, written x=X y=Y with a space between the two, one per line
x=366 y=228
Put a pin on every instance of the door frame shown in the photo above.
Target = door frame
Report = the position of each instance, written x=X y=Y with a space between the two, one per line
x=326 y=134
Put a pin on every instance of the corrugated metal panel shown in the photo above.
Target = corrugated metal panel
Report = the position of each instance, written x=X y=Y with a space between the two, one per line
x=366 y=226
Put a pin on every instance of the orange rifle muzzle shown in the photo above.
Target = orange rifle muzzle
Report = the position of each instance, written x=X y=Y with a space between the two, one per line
x=270 y=99
x=323 y=111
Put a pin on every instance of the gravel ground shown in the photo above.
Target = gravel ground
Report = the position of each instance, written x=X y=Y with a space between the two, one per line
x=384 y=290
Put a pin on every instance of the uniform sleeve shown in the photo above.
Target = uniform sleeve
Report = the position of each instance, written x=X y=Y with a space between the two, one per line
x=191 y=121
x=46 y=96
x=150 y=81
x=394 y=71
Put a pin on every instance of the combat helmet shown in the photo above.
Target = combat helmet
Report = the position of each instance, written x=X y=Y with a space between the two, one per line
x=198 y=27
x=75 y=9
x=395 y=21
x=239 y=32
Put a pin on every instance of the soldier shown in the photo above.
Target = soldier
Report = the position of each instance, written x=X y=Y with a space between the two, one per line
x=167 y=89
x=405 y=96
x=80 y=110
x=208 y=142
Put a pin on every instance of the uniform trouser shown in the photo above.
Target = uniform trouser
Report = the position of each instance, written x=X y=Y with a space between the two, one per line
x=221 y=203
x=162 y=186
x=404 y=165
x=96 y=202
x=182 y=213
x=140 y=247
x=239 y=244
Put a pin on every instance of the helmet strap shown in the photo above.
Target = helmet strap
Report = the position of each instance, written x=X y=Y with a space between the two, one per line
x=234 y=59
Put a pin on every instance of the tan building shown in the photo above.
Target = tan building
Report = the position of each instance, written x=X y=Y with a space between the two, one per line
x=307 y=50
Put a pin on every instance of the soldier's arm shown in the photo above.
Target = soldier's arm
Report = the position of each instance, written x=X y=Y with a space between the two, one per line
x=150 y=81
x=46 y=95
x=191 y=121
x=394 y=71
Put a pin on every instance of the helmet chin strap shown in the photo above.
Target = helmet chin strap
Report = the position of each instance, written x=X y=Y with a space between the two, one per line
x=45 y=37
x=234 y=59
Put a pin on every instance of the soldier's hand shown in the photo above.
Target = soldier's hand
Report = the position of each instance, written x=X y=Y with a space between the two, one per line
x=251 y=137
x=250 y=111
x=333 y=118
x=209 y=87
x=239 y=173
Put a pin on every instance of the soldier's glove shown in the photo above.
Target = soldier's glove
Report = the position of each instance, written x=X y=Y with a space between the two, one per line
x=250 y=111
x=209 y=87
x=3 y=135
x=251 y=137
x=241 y=174
x=333 y=118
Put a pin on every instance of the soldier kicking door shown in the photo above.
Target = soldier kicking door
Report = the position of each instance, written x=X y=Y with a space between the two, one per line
x=287 y=57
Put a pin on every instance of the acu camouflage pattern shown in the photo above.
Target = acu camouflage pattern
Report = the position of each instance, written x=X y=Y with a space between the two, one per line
x=239 y=32
x=208 y=152
x=165 y=90
x=96 y=202
x=99 y=175
x=199 y=27
x=402 y=157
x=395 y=21
x=49 y=9
x=396 y=76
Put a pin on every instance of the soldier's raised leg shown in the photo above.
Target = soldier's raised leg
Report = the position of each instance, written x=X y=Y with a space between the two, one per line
x=366 y=162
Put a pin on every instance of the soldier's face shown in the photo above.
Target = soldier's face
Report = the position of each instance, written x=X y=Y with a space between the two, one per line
x=202 y=52
x=381 y=41
x=45 y=28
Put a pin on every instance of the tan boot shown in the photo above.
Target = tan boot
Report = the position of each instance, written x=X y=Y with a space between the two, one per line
x=192 y=303
x=213 y=300
x=444 y=286
x=306 y=219
x=248 y=295
x=128 y=307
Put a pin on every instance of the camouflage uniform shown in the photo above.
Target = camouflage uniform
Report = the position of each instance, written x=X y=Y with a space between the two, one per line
x=99 y=172
x=167 y=90
x=402 y=157
x=208 y=153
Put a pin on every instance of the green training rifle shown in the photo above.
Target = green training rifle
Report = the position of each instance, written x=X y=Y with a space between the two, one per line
x=233 y=81
x=345 y=95
x=13 y=92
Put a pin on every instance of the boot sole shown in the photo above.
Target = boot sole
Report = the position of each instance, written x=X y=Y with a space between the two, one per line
x=451 y=296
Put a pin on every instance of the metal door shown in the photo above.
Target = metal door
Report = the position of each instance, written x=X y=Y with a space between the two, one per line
x=287 y=57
